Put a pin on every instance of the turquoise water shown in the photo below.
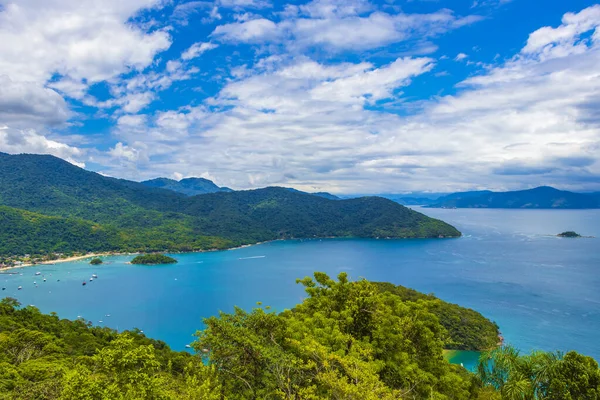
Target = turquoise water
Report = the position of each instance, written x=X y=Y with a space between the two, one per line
x=543 y=291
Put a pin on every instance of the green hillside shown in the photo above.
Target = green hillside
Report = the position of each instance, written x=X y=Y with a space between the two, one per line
x=187 y=186
x=346 y=340
x=135 y=217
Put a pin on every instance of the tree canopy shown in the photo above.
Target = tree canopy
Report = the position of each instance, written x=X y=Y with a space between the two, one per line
x=346 y=340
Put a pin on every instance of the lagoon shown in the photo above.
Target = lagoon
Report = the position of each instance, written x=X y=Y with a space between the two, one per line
x=542 y=290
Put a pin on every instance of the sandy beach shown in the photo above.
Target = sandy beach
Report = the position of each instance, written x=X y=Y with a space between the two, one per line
x=60 y=260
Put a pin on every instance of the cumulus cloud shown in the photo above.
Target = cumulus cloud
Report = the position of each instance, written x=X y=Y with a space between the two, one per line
x=16 y=141
x=84 y=40
x=316 y=126
x=25 y=104
x=55 y=49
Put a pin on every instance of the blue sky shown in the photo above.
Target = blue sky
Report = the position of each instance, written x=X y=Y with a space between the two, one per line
x=347 y=96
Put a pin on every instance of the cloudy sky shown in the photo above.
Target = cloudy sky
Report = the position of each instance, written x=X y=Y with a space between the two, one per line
x=348 y=96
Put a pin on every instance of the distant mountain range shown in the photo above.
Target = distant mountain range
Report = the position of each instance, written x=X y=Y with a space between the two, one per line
x=48 y=205
x=543 y=197
x=195 y=186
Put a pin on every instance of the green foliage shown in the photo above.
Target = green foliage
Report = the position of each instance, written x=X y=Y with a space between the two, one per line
x=346 y=340
x=467 y=329
x=96 y=261
x=151 y=259
x=540 y=375
x=44 y=357
x=569 y=234
x=70 y=209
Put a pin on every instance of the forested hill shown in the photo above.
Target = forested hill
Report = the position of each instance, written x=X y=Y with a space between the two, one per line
x=187 y=186
x=345 y=340
x=540 y=197
x=133 y=216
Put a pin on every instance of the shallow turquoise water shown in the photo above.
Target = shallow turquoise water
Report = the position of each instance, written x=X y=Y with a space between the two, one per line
x=543 y=291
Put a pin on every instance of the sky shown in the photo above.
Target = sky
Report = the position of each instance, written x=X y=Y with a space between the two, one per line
x=345 y=96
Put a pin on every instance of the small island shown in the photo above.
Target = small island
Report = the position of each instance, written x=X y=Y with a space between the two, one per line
x=569 y=234
x=96 y=261
x=153 y=259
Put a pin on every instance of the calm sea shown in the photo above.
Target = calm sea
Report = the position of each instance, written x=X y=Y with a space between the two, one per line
x=543 y=291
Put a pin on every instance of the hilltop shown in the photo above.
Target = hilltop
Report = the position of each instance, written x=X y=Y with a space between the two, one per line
x=187 y=186
x=70 y=202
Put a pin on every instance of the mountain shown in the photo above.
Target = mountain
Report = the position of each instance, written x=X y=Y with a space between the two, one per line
x=326 y=195
x=540 y=197
x=132 y=216
x=187 y=186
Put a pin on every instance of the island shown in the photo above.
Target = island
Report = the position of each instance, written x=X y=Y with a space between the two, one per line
x=569 y=234
x=96 y=261
x=153 y=259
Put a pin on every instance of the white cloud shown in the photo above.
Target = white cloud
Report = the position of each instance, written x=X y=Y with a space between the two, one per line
x=88 y=39
x=298 y=122
x=250 y=31
x=460 y=57
x=375 y=84
x=55 y=48
x=25 y=104
x=197 y=49
x=338 y=26
x=16 y=141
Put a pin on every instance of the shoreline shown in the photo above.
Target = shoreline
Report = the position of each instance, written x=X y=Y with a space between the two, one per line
x=118 y=253
x=58 y=261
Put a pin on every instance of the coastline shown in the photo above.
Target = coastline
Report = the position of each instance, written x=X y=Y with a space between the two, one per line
x=60 y=260
x=118 y=253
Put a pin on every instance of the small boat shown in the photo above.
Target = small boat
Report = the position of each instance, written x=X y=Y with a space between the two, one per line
x=100 y=321
x=58 y=280
x=187 y=346
x=20 y=287
x=94 y=276
x=3 y=288
x=34 y=282
x=84 y=283
x=38 y=273
x=44 y=279
x=107 y=315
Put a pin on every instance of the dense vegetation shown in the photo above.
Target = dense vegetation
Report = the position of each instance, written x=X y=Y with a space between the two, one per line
x=71 y=209
x=96 y=261
x=346 y=340
x=467 y=329
x=151 y=259
x=569 y=234
x=188 y=186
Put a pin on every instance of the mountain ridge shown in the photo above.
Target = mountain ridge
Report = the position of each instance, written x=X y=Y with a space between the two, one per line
x=142 y=218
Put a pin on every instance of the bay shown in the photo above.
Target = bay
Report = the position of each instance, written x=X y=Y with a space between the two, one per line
x=542 y=290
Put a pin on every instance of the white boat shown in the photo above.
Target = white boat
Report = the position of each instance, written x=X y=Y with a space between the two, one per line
x=20 y=287
x=94 y=276
x=44 y=279
x=187 y=346
x=38 y=273
x=91 y=279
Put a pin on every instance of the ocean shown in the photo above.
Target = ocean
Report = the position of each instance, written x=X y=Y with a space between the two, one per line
x=543 y=291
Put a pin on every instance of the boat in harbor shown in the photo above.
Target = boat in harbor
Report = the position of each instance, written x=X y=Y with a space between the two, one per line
x=84 y=283
x=20 y=287
x=38 y=273
x=94 y=276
